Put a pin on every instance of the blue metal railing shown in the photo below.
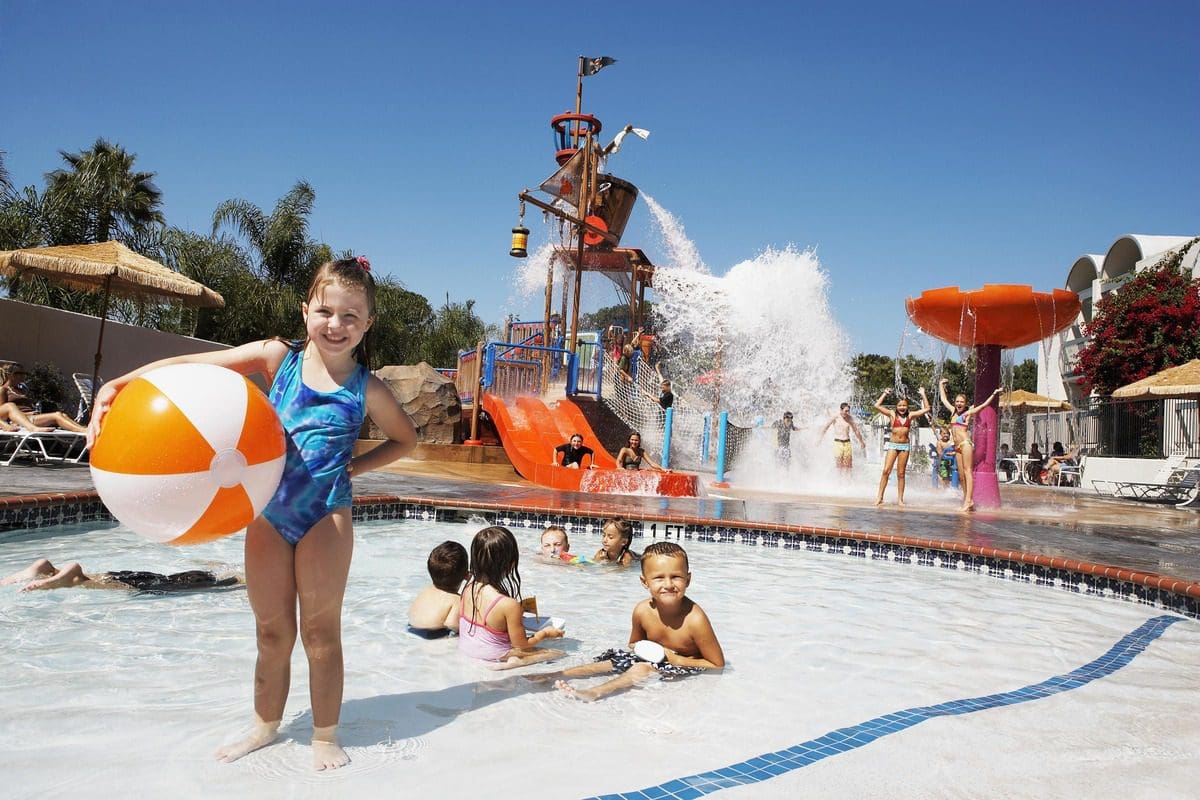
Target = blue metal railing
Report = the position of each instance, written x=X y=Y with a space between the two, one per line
x=514 y=369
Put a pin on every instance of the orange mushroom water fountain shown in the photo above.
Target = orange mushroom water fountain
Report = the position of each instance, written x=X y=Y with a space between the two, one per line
x=988 y=319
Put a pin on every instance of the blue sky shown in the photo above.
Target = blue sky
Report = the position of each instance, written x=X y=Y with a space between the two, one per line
x=913 y=145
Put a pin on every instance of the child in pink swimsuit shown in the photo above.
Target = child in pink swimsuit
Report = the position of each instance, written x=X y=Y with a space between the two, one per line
x=490 y=627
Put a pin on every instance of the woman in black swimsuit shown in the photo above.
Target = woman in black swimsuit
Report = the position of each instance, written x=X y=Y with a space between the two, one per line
x=41 y=574
x=632 y=455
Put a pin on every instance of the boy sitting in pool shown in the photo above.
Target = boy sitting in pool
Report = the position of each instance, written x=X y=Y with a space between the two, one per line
x=686 y=642
x=41 y=574
x=434 y=612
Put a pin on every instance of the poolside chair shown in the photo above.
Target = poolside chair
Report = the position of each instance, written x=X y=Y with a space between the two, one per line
x=1071 y=474
x=61 y=446
x=83 y=384
x=1175 y=483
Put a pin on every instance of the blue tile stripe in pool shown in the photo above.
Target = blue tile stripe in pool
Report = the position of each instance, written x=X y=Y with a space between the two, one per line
x=769 y=765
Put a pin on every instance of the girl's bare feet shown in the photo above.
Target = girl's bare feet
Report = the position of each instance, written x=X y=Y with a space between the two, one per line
x=263 y=734
x=327 y=753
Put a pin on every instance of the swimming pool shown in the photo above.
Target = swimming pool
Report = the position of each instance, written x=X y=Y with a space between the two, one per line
x=848 y=677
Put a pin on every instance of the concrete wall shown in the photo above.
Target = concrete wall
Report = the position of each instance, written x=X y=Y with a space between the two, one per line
x=1133 y=470
x=31 y=334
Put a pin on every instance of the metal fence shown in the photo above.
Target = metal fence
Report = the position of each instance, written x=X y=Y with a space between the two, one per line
x=1121 y=428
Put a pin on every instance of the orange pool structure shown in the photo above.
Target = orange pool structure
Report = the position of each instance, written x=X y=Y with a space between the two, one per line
x=1001 y=314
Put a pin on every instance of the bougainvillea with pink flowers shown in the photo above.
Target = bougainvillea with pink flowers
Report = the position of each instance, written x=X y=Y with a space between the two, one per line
x=1149 y=323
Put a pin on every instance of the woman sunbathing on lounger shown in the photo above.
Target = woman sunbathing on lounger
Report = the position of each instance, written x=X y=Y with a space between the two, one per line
x=41 y=574
x=16 y=408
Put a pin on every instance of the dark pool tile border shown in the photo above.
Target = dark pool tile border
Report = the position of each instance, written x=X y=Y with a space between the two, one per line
x=22 y=512
x=1083 y=577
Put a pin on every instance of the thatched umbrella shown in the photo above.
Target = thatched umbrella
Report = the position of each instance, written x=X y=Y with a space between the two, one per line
x=1181 y=381
x=1029 y=402
x=1021 y=400
x=112 y=268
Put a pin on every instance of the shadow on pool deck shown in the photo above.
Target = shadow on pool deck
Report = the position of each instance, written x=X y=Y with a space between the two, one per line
x=1043 y=520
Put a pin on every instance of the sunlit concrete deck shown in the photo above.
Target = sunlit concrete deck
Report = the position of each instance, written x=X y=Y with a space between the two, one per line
x=1061 y=523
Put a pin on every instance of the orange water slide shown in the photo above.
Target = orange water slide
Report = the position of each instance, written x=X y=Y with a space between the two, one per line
x=530 y=429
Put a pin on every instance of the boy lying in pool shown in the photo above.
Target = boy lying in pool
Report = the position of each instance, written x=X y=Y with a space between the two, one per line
x=41 y=574
x=669 y=623
x=434 y=612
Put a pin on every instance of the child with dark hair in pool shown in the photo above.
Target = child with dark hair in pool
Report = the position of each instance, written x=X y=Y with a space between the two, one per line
x=616 y=537
x=669 y=623
x=434 y=612
x=41 y=574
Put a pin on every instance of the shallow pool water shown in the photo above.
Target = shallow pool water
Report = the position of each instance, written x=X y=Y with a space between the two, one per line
x=137 y=691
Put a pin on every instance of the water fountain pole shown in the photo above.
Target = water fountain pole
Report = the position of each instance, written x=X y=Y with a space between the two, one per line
x=987 y=425
x=991 y=318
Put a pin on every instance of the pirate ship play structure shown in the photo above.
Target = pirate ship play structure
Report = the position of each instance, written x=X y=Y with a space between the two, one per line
x=531 y=384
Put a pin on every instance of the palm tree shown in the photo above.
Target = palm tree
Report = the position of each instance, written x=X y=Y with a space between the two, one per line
x=103 y=195
x=6 y=186
x=286 y=255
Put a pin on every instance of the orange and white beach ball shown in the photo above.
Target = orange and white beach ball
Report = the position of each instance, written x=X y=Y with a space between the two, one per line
x=188 y=453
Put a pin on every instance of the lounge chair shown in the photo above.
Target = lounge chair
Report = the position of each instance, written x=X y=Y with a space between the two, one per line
x=83 y=383
x=1175 y=483
x=62 y=446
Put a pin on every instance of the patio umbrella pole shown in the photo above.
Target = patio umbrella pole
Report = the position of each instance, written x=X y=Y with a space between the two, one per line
x=100 y=343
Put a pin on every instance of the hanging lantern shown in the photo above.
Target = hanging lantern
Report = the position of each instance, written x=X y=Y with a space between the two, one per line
x=520 y=242
x=520 y=235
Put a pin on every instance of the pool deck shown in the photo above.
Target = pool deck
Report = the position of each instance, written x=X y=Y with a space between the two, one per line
x=1059 y=523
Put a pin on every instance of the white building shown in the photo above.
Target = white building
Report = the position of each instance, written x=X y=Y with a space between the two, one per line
x=1092 y=277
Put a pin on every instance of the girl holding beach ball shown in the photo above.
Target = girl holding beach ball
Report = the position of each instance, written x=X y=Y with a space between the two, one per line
x=298 y=550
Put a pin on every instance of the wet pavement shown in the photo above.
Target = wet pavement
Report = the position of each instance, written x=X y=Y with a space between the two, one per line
x=1057 y=522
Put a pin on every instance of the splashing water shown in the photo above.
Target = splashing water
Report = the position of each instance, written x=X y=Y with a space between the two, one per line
x=530 y=278
x=758 y=341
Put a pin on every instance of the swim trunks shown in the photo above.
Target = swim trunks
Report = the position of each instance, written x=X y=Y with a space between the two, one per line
x=623 y=659
x=176 y=582
x=843 y=453
x=321 y=429
x=431 y=633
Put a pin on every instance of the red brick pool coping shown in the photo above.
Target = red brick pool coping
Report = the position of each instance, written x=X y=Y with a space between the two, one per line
x=1166 y=583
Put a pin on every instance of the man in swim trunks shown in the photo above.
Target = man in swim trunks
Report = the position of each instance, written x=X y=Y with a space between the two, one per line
x=41 y=574
x=843 y=425
x=571 y=454
x=669 y=618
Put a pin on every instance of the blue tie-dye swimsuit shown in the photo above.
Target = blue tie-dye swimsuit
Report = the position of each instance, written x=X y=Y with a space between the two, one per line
x=321 y=430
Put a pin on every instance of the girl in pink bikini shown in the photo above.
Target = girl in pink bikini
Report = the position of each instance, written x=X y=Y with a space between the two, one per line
x=490 y=626
x=897 y=447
